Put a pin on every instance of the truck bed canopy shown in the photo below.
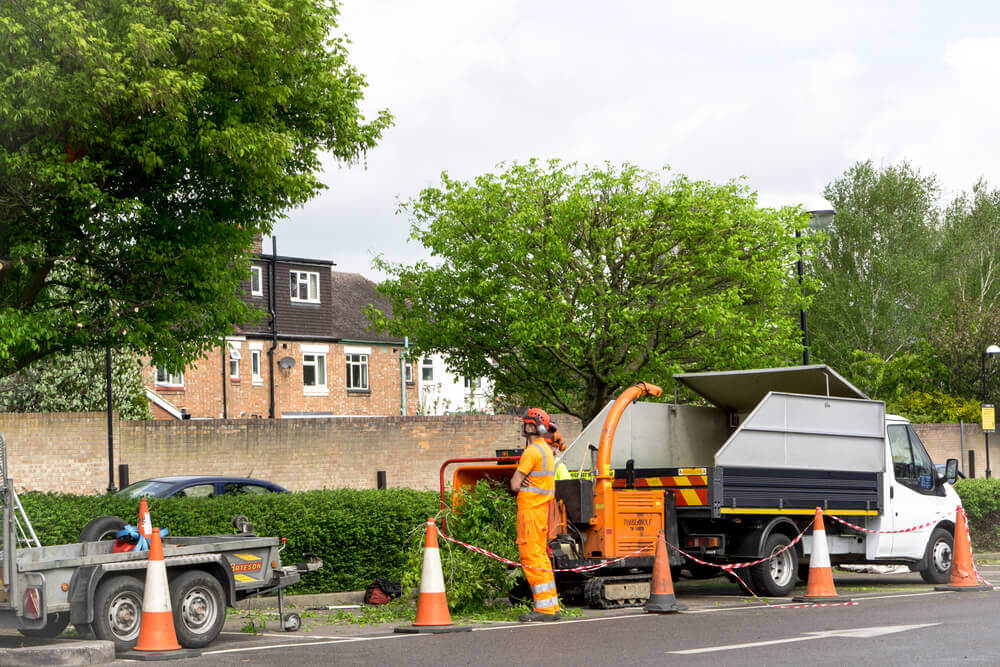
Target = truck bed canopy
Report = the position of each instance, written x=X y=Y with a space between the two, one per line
x=741 y=391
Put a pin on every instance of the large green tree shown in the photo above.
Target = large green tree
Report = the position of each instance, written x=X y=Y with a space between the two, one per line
x=565 y=284
x=142 y=146
x=877 y=270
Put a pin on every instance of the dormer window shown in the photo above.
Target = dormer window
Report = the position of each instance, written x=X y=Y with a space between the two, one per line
x=256 y=281
x=304 y=286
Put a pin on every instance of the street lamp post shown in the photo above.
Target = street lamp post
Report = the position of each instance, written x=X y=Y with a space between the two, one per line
x=991 y=351
x=818 y=220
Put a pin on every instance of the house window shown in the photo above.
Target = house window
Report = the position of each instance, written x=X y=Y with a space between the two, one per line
x=357 y=371
x=304 y=286
x=409 y=372
x=427 y=370
x=314 y=370
x=234 y=363
x=256 y=281
x=167 y=379
x=473 y=383
x=255 y=366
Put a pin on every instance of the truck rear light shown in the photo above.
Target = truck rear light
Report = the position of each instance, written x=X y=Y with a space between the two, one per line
x=32 y=607
x=703 y=542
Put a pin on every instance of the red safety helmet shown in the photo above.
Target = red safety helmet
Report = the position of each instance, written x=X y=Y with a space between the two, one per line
x=538 y=417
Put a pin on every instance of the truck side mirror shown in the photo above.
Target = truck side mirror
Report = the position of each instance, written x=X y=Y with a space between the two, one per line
x=951 y=470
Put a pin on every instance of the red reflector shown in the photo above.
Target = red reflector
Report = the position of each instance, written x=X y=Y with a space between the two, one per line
x=703 y=542
x=32 y=606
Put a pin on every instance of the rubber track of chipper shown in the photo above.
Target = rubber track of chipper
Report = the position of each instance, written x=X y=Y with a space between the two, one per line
x=593 y=592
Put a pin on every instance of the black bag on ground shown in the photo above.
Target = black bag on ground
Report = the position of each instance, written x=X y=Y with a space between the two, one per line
x=382 y=591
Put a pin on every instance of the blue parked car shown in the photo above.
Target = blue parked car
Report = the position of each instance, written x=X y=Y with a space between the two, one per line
x=198 y=486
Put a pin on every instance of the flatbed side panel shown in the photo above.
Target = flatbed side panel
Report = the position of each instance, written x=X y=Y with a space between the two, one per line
x=737 y=491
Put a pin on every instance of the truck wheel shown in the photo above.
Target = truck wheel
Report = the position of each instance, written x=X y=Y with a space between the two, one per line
x=118 y=611
x=776 y=577
x=54 y=626
x=938 y=557
x=101 y=528
x=199 y=606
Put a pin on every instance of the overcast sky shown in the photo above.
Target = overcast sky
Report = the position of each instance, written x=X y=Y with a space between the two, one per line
x=787 y=94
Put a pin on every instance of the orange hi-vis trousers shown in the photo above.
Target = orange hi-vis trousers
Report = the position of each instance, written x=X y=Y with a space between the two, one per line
x=532 y=542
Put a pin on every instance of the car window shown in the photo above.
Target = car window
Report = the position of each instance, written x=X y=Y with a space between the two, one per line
x=197 y=491
x=242 y=487
x=145 y=488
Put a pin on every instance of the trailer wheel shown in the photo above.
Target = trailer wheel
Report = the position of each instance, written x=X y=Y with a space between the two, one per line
x=101 y=528
x=776 y=577
x=54 y=626
x=199 y=605
x=118 y=611
x=938 y=558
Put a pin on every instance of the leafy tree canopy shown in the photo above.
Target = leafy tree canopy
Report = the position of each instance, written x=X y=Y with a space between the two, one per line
x=142 y=146
x=564 y=285
x=76 y=382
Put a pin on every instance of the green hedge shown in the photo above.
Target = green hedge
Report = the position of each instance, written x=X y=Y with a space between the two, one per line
x=981 y=500
x=359 y=534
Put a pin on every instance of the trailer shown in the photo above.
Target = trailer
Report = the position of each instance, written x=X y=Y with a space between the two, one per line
x=738 y=479
x=45 y=588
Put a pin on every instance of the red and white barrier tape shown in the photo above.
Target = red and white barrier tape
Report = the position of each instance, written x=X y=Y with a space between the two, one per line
x=911 y=529
x=507 y=561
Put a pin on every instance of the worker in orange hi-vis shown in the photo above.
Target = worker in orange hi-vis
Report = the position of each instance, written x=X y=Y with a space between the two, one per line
x=534 y=481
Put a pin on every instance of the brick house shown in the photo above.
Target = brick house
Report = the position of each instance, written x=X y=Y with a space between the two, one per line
x=313 y=357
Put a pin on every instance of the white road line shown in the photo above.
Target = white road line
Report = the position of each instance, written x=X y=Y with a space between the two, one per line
x=855 y=633
x=306 y=644
x=289 y=636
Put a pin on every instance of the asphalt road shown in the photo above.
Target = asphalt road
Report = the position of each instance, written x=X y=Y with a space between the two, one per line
x=898 y=620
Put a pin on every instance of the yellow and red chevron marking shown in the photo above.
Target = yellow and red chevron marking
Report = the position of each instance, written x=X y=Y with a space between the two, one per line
x=688 y=490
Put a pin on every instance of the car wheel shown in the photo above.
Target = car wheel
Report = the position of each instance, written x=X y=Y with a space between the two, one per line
x=101 y=528
x=199 y=606
x=776 y=577
x=118 y=611
x=54 y=626
x=938 y=558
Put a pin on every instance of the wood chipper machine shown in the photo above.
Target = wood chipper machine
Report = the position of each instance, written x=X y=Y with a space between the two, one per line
x=593 y=521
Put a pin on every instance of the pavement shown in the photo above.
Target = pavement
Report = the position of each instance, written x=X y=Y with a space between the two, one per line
x=255 y=621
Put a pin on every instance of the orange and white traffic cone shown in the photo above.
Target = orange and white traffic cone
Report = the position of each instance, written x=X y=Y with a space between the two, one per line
x=432 y=604
x=157 y=639
x=963 y=572
x=145 y=522
x=661 y=591
x=819 y=587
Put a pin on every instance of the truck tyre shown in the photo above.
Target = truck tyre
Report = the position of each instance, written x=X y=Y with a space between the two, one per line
x=54 y=626
x=937 y=568
x=199 y=605
x=101 y=528
x=776 y=577
x=118 y=611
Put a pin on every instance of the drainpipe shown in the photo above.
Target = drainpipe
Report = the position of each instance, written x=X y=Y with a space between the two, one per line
x=403 y=358
x=274 y=323
x=225 y=412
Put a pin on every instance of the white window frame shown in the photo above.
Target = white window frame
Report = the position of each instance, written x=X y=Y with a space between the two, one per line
x=256 y=351
x=299 y=279
x=257 y=275
x=427 y=365
x=315 y=356
x=408 y=376
x=234 y=362
x=472 y=384
x=362 y=354
x=170 y=379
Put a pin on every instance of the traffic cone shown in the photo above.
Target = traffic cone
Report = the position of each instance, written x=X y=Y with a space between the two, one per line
x=145 y=523
x=432 y=604
x=819 y=587
x=963 y=572
x=157 y=639
x=661 y=589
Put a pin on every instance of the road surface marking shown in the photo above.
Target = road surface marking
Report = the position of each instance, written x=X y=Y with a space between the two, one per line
x=854 y=633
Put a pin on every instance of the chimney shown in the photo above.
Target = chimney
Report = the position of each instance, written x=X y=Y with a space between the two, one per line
x=258 y=244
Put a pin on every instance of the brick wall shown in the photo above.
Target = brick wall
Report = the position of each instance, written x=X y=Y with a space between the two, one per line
x=68 y=452
x=59 y=452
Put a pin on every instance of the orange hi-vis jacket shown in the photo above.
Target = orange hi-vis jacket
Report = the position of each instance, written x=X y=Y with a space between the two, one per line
x=538 y=463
